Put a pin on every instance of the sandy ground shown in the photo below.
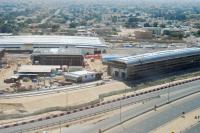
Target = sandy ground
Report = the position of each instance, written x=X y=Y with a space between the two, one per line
x=5 y=74
x=97 y=66
x=180 y=124
x=12 y=60
x=127 y=32
x=31 y=104
x=76 y=97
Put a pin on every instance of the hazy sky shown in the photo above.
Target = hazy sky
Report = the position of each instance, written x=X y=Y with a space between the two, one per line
x=132 y=2
x=165 y=1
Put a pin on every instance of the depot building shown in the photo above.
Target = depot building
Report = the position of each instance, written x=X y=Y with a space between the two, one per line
x=90 y=45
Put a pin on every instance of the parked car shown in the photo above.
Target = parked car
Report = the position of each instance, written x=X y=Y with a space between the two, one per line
x=11 y=80
x=127 y=45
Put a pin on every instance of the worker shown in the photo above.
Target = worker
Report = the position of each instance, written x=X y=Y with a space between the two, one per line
x=155 y=107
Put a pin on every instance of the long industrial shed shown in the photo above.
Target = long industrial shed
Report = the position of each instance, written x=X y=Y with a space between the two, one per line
x=139 y=66
x=92 y=45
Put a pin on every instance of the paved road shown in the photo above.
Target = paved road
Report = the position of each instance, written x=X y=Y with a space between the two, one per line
x=175 y=92
x=43 y=21
x=76 y=115
x=195 y=129
x=147 y=123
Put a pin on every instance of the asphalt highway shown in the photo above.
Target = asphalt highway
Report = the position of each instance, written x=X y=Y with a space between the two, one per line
x=174 y=92
x=195 y=129
x=164 y=94
x=147 y=123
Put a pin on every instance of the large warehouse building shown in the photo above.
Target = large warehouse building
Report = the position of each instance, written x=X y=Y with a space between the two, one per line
x=90 y=45
x=140 y=66
x=58 y=56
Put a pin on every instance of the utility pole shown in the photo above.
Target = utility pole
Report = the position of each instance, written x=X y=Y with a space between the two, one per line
x=44 y=80
x=168 y=93
x=168 y=89
x=66 y=99
x=60 y=126
x=120 y=116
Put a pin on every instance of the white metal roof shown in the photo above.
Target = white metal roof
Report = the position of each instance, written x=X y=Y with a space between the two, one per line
x=37 y=68
x=80 y=73
x=158 y=56
x=45 y=39
x=57 y=51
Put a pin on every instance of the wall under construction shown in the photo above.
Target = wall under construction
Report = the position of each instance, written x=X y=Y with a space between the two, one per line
x=2 y=52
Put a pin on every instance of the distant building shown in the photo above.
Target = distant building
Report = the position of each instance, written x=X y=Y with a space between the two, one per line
x=139 y=33
x=85 y=32
x=155 y=30
x=82 y=76
x=57 y=56
x=143 y=34
x=168 y=31
x=127 y=32
x=6 y=34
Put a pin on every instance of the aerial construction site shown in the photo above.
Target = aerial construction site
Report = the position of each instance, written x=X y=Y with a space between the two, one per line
x=100 y=66
x=40 y=82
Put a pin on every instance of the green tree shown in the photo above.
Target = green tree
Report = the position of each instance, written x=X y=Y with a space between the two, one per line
x=162 y=25
x=197 y=25
x=147 y=25
x=7 y=28
x=73 y=25
x=178 y=35
x=29 y=21
x=198 y=33
x=114 y=19
x=155 y=24
x=55 y=28
x=132 y=22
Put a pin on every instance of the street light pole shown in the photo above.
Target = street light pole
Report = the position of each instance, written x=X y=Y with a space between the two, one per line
x=60 y=126
x=120 y=116
x=168 y=89
x=66 y=99
x=168 y=93
x=121 y=105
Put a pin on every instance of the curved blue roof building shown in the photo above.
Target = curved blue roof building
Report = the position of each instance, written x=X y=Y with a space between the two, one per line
x=158 y=56
x=157 y=61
